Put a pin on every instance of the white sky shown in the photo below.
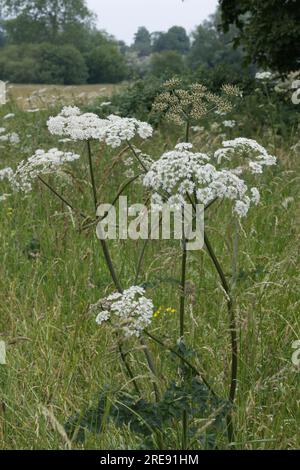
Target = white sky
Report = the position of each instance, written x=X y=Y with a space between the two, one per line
x=123 y=17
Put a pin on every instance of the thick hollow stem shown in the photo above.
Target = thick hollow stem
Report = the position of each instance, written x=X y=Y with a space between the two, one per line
x=233 y=332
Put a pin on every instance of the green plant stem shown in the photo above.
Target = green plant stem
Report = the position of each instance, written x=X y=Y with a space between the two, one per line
x=187 y=131
x=113 y=273
x=233 y=333
x=121 y=190
x=129 y=371
x=151 y=367
x=183 y=359
x=61 y=198
x=181 y=326
x=92 y=174
x=182 y=289
x=140 y=261
x=137 y=157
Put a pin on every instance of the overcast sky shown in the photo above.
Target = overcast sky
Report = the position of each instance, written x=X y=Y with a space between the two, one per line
x=122 y=17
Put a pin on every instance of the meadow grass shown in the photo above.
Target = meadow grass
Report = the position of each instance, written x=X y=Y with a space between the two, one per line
x=31 y=96
x=51 y=270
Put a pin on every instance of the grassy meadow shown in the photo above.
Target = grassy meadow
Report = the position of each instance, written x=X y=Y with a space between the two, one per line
x=42 y=96
x=52 y=268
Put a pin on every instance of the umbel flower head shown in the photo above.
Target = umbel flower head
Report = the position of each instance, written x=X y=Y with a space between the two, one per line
x=131 y=311
x=41 y=163
x=183 y=175
x=181 y=104
x=71 y=123
x=247 y=152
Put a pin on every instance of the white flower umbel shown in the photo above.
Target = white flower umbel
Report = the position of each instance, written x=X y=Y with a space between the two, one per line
x=76 y=126
x=263 y=76
x=131 y=311
x=113 y=130
x=252 y=155
x=125 y=129
x=182 y=175
x=41 y=163
x=229 y=123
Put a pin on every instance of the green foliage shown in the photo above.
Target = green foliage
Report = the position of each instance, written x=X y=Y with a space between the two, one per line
x=142 y=42
x=211 y=48
x=106 y=64
x=68 y=30
x=166 y=64
x=135 y=100
x=43 y=20
x=63 y=65
x=175 y=39
x=153 y=421
x=44 y=63
x=269 y=30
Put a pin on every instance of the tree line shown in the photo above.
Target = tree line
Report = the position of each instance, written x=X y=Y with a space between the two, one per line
x=57 y=41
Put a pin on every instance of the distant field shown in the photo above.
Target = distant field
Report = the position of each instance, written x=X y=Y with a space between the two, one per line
x=39 y=96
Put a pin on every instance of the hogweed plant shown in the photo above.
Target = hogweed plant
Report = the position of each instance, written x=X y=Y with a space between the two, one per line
x=178 y=177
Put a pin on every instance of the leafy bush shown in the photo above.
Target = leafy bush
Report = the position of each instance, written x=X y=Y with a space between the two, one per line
x=166 y=64
x=106 y=64
x=63 y=65
x=135 y=100
x=42 y=63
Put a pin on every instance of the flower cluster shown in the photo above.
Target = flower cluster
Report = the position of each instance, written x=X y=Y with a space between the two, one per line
x=162 y=310
x=263 y=76
x=11 y=137
x=256 y=155
x=180 y=104
x=131 y=310
x=229 y=123
x=124 y=129
x=184 y=176
x=40 y=163
x=71 y=123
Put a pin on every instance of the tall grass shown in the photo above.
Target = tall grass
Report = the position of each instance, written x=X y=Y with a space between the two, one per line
x=50 y=272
